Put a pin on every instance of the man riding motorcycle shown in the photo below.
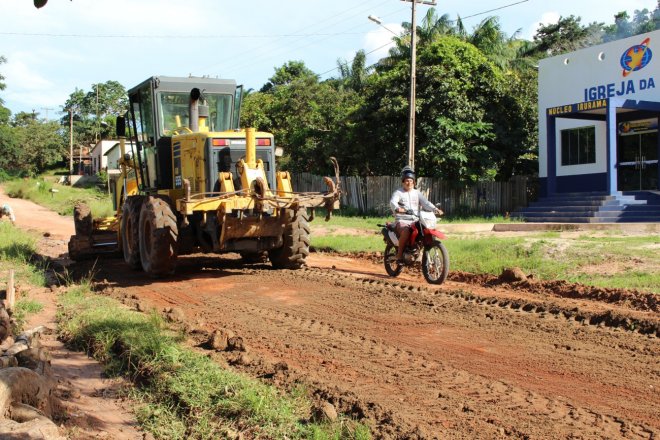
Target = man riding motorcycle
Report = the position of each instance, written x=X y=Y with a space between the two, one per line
x=405 y=201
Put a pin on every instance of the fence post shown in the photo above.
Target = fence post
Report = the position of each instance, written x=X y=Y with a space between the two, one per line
x=11 y=292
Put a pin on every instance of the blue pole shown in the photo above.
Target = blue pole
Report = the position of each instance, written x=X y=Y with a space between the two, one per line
x=551 y=166
x=612 y=180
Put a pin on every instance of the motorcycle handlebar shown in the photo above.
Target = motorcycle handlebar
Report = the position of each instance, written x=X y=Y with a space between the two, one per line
x=411 y=212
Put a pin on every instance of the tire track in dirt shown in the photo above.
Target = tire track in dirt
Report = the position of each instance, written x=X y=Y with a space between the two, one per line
x=422 y=363
x=456 y=384
x=626 y=298
x=636 y=321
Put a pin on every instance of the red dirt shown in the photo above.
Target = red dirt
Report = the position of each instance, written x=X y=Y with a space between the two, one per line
x=473 y=358
x=415 y=361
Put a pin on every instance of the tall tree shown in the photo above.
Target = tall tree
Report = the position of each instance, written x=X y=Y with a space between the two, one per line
x=95 y=111
x=30 y=145
x=501 y=49
x=432 y=26
x=287 y=74
x=309 y=118
x=4 y=112
x=470 y=122
x=642 y=21
x=256 y=111
x=354 y=76
x=2 y=78
x=567 y=35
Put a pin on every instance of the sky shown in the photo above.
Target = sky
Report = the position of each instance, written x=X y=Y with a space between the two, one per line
x=74 y=44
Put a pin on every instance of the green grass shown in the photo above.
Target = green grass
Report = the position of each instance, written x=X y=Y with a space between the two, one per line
x=16 y=250
x=493 y=254
x=184 y=394
x=22 y=309
x=348 y=243
x=636 y=261
x=340 y=218
x=633 y=261
x=63 y=199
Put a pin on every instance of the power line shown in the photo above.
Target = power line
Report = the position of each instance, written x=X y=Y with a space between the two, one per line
x=256 y=36
x=366 y=53
x=251 y=59
x=492 y=10
x=30 y=34
x=464 y=18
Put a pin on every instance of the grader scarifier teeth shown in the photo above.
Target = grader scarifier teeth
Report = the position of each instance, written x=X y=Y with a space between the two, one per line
x=92 y=238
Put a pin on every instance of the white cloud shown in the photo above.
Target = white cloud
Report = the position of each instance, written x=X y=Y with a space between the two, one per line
x=550 y=17
x=29 y=82
x=20 y=77
x=379 y=41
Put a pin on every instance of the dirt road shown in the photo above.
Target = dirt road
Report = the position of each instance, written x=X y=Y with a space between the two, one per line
x=473 y=359
x=461 y=361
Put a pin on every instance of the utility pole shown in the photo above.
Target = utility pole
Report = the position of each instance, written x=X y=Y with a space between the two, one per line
x=70 y=141
x=413 y=80
x=47 y=109
x=98 y=129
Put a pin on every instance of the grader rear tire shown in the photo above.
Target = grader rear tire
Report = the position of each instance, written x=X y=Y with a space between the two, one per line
x=130 y=237
x=158 y=237
x=296 y=242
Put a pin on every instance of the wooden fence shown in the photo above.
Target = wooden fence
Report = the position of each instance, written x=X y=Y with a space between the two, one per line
x=372 y=194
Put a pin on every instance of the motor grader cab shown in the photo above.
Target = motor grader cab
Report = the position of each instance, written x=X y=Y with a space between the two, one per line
x=193 y=181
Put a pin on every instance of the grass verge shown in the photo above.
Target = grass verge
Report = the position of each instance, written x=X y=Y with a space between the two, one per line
x=341 y=219
x=604 y=260
x=183 y=394
x=60 y=198
x=16 y=250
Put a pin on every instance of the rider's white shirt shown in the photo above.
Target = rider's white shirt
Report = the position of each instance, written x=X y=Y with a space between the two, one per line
x=408 y=200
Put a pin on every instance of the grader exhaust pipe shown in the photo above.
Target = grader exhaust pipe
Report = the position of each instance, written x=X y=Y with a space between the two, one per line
x=199 y=112
x=193 y=109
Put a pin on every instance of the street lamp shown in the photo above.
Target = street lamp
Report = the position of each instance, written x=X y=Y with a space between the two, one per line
x=379 y=22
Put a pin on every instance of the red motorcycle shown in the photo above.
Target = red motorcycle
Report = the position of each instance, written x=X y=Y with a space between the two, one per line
x=425 y=243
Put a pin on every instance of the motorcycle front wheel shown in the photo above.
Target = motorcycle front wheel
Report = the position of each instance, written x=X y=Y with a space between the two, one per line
x=392 y=268
x=435 y=263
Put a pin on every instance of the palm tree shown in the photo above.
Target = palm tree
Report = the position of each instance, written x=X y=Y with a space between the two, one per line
x=354 y=75
x=433 y=26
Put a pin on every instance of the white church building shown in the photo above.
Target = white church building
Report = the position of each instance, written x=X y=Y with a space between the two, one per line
x=598 y=124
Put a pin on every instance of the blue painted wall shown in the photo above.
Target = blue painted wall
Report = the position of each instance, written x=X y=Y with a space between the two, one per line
x=580 y=183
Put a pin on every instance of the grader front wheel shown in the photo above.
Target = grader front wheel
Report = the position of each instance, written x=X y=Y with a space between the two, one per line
x=158 y=237
x=296 y=242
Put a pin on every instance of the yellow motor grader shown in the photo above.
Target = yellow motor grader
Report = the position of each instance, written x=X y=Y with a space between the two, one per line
x=194 y=182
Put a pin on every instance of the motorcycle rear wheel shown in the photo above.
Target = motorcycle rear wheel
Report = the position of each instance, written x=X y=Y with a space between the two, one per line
x=435 y=263
x=392 y=268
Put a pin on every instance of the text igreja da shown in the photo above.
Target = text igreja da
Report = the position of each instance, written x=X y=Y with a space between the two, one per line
x=617 y=89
